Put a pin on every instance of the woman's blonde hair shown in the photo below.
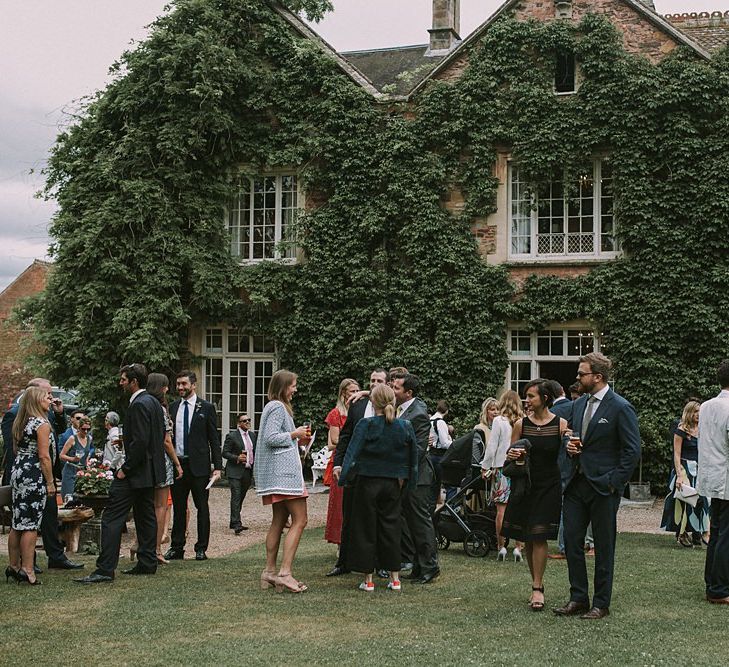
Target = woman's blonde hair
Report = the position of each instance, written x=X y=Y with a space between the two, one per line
x=280 y=382
x=690 y=416
x=30 y=406
x=383 y=398
x=484 y=416
x=510 y=407
x=344 y=385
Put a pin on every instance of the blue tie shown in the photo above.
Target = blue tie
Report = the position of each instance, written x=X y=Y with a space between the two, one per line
x=185 y=427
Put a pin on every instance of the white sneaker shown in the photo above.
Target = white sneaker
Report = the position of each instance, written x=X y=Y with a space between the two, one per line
x=394 y=586
x=368 y=587
x=502 y=554
x=517 y=555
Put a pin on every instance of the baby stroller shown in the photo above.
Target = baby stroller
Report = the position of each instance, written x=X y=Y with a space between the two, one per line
x=455 y=521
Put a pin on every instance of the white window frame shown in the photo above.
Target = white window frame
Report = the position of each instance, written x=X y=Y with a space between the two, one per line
x=278 y=174
x=534 y=358
x=534 y=255
x=223 y=354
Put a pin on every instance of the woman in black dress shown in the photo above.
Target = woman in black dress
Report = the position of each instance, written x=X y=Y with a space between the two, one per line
x=534 y=518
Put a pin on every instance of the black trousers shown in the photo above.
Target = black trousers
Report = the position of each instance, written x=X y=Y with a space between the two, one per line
x=238 y=488
x=376 y=518
x=582 y=505
x=122 y=498
x=347 y=503
x=49 y=532
x=716 y=571
x=181 y=490
x=416 y=512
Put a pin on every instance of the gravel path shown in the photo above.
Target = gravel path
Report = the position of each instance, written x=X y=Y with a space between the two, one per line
x=632 y=518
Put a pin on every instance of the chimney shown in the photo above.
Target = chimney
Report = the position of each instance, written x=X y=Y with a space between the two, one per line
x=446 y=24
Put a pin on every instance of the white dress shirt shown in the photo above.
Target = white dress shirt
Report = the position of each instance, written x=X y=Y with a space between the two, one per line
x=713 y=478
x=400 y=410
x=369 y=410
x=598 y=396
x=444 y=439
x=134 y=395
x=179 y=443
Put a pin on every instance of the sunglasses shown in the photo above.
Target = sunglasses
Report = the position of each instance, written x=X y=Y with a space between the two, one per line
x=86 y=428
x=244 y=421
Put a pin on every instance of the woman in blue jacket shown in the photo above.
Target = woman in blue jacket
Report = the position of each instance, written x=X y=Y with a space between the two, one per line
x=381 y=458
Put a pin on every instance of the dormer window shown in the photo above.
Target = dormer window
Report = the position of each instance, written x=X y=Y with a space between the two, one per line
x=565 y=72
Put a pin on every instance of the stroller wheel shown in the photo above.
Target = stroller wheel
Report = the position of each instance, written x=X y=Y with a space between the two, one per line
x=443 y=542
x=477 y=544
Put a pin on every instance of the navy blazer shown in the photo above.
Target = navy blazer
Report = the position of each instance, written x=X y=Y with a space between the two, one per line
x=563 y=409
x=203 y=438
x=144 y=442
x=611 y=447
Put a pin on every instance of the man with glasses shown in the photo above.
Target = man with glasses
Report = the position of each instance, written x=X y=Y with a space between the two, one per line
x=596 y=465
x=238 y=450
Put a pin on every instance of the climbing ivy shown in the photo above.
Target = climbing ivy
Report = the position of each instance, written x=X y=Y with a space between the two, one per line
x=390 y=277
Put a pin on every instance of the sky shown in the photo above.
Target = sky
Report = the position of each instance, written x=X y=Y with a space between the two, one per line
x=55 y=52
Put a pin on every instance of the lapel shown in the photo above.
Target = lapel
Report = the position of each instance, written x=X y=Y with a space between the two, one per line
x=240 y=441
x=173 y=409
x=601 y=409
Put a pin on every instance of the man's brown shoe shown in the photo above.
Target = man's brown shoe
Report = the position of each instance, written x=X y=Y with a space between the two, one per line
x=572 y=608
x=718 y=600
x=596 y=613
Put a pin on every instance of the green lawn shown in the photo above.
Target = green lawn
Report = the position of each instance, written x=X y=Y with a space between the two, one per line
x=475 y=613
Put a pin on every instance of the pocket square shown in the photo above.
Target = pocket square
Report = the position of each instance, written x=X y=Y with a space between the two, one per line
x=603 y=421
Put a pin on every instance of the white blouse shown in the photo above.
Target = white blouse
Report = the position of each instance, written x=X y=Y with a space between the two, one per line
x=495 y=453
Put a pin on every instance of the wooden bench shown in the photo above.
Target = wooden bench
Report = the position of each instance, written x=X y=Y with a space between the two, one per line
x=72 y=519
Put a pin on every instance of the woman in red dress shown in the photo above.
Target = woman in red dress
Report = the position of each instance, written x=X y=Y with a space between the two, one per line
x=335 y=421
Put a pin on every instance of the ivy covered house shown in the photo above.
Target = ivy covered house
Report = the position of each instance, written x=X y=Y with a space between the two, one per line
x=482 y=210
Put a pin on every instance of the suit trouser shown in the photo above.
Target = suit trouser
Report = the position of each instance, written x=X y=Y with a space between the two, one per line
x=122 y=498
x=238 y=488
x=49 y=531
x=347 y=505
x=716 y=571
x=181 y=489
x=417 y=515
x=376 y=519
x=581 y=505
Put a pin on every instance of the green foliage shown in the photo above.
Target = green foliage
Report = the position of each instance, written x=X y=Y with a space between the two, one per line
x=390 y=277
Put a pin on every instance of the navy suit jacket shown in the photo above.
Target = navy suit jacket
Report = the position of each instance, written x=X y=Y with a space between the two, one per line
x=144 y=438
x=203 y=439
x=611 y=447
x=563 y=409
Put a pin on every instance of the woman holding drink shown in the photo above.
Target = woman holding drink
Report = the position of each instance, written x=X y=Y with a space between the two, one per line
x=534 y=518
x=280 y=480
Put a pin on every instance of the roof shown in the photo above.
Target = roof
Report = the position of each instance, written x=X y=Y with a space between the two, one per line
x=711 y=30
x=395 y=70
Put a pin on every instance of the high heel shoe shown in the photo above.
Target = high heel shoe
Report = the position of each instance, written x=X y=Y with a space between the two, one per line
x=23 y=576
x=536 y=605
x=161 y=559
x=501 y=556
x=10 y=573
x=286 y=582
x=517 y=555
x=268 y=579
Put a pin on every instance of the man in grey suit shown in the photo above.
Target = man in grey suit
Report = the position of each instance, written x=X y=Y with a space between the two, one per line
x=416 y=503
x=238 y=450
x=713 y=482
x=595 y=467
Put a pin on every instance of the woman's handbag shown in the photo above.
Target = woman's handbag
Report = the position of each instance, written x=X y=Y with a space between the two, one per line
x=518 y=472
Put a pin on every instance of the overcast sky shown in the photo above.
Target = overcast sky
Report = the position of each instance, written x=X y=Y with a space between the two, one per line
x=53 y=52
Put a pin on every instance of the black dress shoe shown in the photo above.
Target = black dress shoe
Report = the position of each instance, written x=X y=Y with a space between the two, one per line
x=64 y=565
x=200 y=555
x=429 y=576
x=175 y=554
x=414 y=575
x=138 y=570
x=336 y=571
x=37 y=570
x=95 y=578
x=596 y=613
x=240 y=529
x=572 y=608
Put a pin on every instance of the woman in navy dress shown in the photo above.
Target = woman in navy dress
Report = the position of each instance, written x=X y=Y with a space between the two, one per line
x=534 y=518
x=31 y=480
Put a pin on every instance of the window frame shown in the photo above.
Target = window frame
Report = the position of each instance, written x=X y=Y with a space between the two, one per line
x=228 y=210
x=534 y=255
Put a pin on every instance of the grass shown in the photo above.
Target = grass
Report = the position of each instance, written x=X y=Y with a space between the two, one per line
x=475 y=613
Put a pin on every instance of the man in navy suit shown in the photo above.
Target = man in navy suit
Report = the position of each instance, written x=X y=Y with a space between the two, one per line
x=595 y=466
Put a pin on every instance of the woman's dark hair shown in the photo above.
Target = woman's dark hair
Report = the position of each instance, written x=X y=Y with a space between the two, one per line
x=544 y=390
x=156 y=382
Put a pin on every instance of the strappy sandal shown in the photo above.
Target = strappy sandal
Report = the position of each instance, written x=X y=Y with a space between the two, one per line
x=536 y=605
x=283 y=583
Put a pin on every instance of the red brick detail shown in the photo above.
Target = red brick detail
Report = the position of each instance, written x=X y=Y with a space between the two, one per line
x=519 y=274
x=485 y=236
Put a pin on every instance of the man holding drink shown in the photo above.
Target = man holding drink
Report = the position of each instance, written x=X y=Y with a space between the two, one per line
x=595 y=465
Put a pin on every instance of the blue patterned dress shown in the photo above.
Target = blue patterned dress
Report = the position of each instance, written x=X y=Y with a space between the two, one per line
x=26 y=479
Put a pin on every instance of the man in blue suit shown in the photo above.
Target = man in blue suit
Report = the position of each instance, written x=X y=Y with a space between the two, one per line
x=595 y=466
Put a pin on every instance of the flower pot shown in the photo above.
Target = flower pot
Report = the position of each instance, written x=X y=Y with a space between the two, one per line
x=95 y=502
x=639 y=491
